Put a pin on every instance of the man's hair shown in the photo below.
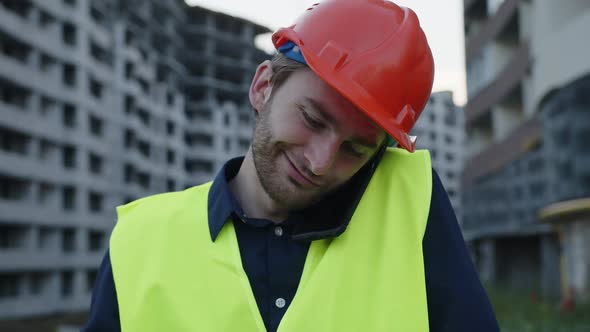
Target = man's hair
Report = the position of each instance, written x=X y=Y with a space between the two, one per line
x=282 y=68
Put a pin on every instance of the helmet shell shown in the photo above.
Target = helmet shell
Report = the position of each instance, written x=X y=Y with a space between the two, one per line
x=374 y=53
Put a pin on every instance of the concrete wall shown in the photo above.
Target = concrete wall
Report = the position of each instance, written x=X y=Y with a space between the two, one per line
x=560 y=45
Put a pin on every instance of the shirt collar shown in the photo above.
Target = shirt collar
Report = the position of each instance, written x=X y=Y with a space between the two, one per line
x=221 y=203
x=322 y=220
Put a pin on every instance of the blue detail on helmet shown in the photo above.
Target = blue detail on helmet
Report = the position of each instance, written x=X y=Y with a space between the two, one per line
x=292 y=51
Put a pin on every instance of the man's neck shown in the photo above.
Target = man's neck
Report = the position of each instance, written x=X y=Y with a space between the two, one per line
x=251 y=196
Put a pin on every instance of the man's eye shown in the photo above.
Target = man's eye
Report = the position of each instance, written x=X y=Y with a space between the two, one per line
x=311 y=122
x=352 y=150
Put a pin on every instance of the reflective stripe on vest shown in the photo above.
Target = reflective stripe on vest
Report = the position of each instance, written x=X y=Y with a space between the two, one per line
x=170 y=276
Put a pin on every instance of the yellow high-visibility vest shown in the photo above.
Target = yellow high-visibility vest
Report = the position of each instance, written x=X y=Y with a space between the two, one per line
x=170 y=276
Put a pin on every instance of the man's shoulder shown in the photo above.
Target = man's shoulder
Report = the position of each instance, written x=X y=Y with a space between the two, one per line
x=167 y=196
x=159 y=206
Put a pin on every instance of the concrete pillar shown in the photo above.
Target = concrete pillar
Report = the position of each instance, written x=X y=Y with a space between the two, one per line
x=34 y=15
x=82 y=242
x=550 y=276
x=79 y=285
x=487 y=260
x=247 y=33
x=32 y=239
x=33 y=104
x=31 y=193
x=578 y=259
x=53 y=287
x=34 y=59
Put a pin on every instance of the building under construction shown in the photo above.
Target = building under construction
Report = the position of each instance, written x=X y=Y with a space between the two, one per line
x=103 y=102
x=441 y=130
x=528 y=128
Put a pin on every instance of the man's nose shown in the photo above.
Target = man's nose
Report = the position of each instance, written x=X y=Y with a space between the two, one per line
x=322 y=153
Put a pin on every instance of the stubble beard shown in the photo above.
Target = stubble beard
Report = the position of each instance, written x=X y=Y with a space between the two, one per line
x=266 y=152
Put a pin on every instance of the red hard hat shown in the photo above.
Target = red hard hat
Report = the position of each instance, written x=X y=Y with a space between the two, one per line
x=374 y=53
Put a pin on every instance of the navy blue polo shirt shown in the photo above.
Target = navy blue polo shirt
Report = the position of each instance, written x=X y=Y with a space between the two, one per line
x=273 y=256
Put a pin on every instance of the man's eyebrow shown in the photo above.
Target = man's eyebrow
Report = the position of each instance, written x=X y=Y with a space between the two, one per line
x=319 y=107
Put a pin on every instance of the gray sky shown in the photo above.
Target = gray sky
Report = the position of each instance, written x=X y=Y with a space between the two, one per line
x=442 y=22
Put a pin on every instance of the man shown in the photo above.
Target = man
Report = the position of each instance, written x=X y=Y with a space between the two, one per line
x=320 y=227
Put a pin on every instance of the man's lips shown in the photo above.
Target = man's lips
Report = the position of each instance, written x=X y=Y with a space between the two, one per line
x=299 y=176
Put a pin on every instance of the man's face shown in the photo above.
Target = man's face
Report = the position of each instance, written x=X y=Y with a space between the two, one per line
x=309 y=140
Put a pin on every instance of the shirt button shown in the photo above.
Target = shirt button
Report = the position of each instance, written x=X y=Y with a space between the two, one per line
x=279 y=231
x=280 y=303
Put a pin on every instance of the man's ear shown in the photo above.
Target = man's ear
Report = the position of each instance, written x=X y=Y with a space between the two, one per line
x=260 y=88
